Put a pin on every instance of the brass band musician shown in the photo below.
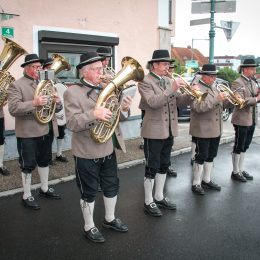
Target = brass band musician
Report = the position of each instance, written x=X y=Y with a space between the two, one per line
x=244 y=120
x=95 y=163
x=205 y=129
x=159 y=100
x=32 y=136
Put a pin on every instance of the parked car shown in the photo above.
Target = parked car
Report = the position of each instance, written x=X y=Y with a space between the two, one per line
x=184 y=112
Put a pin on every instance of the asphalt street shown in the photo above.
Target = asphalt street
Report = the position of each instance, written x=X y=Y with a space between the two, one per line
x=219 y=225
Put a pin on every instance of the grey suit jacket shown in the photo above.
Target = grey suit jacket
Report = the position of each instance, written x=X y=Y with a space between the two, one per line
x=20 y=104
x=160 y=107
x=206 y=119
x=244 y=116
x=79 y=109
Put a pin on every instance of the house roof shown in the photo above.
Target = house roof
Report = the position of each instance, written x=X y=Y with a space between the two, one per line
x=184 y=54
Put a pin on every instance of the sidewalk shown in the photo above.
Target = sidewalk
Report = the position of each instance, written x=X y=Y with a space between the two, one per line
x=62 y=172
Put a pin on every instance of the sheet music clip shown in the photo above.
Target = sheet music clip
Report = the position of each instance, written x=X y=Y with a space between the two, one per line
x=46 y=75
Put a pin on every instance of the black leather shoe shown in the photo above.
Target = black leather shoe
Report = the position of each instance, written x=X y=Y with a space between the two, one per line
x=152 y=210
x=171 y=172
x=197 y=189
x=4 y=171
x=31 y=203
x=62 y=158
x=165 y=203
x=210 y=185
x=238 y=177
x=50 y=194
x=94 y=235
x=115 y=224
x=247 y=176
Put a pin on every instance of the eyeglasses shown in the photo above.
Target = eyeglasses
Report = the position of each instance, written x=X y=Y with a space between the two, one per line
x=36 y=67
x=97 y=69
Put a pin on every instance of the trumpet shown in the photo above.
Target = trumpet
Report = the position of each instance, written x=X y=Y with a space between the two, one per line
x=231 y=97
x=186 y=88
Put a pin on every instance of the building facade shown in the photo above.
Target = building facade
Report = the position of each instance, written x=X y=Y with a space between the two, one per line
x=71 y=28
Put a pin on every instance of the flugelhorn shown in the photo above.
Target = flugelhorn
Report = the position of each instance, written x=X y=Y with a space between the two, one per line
x=44 y=114
x=186 y=88
x=110 y=98
x=230 y=96
x=11 y=52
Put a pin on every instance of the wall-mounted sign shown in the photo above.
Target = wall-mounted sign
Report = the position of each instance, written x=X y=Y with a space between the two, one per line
x=8 y=32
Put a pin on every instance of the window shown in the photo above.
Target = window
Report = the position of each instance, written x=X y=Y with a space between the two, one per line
x=71 y=46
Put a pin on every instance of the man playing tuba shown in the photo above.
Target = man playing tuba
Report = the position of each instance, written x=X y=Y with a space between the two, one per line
x=95 y=163
x=33 y=139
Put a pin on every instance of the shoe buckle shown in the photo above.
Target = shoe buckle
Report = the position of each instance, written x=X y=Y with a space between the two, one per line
x=94 y=230
x=51 y=190
x=153 y=205
x=166 y=199
x=31 y=198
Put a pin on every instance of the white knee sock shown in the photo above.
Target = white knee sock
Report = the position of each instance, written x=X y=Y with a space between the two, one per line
x=148 y=190
x=87 y=211
x=26 y=179
x=207 y=171
x=60 y=143
x=110 y=205
x=44 y=176
x=197 y=173
x=235 y=161
x=159 y=186
x=241 y=162
x=193 y=148
x=2 y=151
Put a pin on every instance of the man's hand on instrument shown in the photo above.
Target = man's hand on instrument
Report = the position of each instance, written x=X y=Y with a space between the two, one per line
x=56 y=98
x=126 y=103
x=40 y=101
x=222 y=96
x=102 y=113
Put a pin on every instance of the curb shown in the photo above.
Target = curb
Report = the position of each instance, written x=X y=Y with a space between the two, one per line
x=121 y=166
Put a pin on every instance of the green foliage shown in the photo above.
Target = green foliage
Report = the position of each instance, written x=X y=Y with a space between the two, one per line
x=179 y=69
x=228 y=74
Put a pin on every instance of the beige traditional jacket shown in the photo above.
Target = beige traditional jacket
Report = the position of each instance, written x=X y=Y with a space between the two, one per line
x=79 y=108
x=248 y=91
x=160 y=104
x=20 y=104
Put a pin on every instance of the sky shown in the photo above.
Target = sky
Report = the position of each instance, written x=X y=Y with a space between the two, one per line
x=244 y=42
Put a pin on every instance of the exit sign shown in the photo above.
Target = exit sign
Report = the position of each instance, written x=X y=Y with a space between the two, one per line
x=8 y=32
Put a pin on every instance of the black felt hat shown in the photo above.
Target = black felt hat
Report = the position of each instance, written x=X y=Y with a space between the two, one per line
x=31 y=58
x=208 y=69
x=161 y=55
x=249 y=63
x=47 y=62
x=104 y=52
x=88 y=58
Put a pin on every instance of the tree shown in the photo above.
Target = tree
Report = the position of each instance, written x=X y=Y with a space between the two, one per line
x=228 y=74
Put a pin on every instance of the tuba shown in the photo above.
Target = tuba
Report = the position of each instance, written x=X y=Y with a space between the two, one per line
x=188 y=90
x=110 y=98
x=11 y=52
x=231 y=97
x=44 y=114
